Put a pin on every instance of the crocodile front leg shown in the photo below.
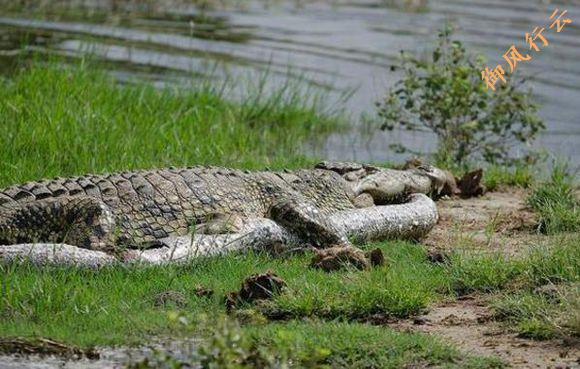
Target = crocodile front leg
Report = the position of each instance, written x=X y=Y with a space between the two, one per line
x=85 y=222
x=306 y=220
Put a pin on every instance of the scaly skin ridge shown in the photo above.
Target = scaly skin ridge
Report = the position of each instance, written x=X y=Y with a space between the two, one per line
x=150 y=205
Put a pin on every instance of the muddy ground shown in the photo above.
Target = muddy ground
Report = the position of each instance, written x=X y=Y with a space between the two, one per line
x=496 y=221
x=468 y=324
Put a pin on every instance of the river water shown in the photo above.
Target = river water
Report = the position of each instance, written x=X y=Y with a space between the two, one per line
x=337 y=48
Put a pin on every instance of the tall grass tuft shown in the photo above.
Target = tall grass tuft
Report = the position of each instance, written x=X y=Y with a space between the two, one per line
x=496 y=176
x=556 y=203
x=495 y=272
x=67 y=121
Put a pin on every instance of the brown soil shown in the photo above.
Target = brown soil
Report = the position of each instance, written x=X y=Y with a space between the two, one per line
x=496 y=221
x=468 y=324
x=336 y=258
x=256 y=287
x=376 y=257
x=470 y=184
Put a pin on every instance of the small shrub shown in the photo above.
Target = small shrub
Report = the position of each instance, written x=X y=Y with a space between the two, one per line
x=229 y=348
x=445 y=95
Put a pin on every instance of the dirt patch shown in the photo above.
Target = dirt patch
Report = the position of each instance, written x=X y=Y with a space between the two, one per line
x=336 y=258
x=470 y=184
x=468 y=324
x=376 y=257
x=496 y=221
x=256 y=287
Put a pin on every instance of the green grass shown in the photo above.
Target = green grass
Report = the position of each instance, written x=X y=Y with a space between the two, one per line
x=116 y=305
x=351 y=345
x=530 y=312
x=67 y=121
x=404 y=287
x=542 y=315
x=557 y=263
x=310 y=344
x=482 y=273
x=539 y=295
x=496 y=176
x=556 y=203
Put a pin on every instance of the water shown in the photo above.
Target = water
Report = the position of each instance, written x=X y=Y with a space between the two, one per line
x=336 y=48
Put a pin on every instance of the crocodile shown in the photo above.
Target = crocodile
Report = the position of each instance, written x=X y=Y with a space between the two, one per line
x=146 y=209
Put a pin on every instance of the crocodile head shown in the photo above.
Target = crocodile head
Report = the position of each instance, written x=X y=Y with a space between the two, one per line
x=387 y=186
